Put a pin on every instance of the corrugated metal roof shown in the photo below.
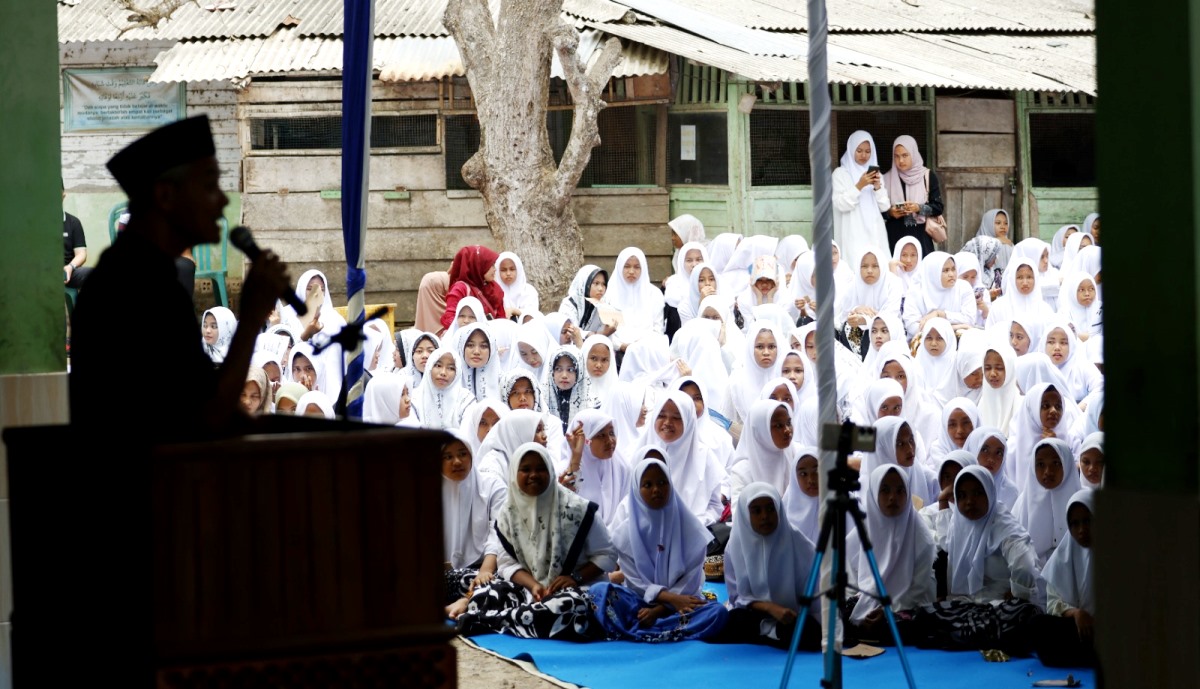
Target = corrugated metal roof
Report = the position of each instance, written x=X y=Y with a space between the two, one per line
x=772 y=15
x=410 y=58
x=1056 y=16
x=729 y=33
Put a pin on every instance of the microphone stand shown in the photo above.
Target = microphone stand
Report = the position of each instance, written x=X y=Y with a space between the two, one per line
x=347 y=338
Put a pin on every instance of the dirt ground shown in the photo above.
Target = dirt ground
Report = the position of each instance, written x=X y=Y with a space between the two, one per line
x=479 y=670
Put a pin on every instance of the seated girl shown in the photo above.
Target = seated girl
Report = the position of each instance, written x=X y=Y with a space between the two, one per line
x=481 y=375
x=904 y=553
x=1042 y=507
x=661 y=548
x=1091 y=461
x=1045 y=413
x=937 y=513
x=566 y=387
x=479 y=419
x=1063 y=636
x=896 y=444
x=441 y=399
x=388 y=400
x=470 y=504
x=288 y=396
x=551 y=545
x=695 y=473
x=469 y=310
x=768 y=444
x=256 y=392
x=596 y=470
x=767 y=566
x=710 y=426
x=317 y=404
x=520 y=297
x=518 y=427
x=418 y=356
x=989 y=446
x=802 y=502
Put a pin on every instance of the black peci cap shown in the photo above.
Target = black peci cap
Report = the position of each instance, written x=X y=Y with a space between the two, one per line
x=136 y=166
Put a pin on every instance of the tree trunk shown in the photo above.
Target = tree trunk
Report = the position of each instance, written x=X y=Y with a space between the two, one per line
x=527 y=195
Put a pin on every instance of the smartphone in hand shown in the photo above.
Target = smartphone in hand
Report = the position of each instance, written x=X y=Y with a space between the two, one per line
x=873 y=168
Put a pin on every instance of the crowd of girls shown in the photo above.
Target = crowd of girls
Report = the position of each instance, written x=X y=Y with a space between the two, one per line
x=601 y=468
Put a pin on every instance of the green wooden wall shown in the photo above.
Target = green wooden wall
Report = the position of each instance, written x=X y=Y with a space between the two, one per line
x=1063 y=206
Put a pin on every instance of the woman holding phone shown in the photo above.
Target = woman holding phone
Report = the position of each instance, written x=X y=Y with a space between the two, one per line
x=859 y=198
x=915 y=193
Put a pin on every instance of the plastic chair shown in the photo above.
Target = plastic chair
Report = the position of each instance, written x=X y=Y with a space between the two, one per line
x=206 y=268
x=71 y=295
x=113 y=214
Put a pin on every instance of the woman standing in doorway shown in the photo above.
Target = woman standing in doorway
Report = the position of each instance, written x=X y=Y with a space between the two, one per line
x=859 y=197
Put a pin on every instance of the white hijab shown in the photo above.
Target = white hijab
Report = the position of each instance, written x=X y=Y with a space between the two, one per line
x=677 y=283
x=538 y=531
x=441 y=409
x=1069 y=569
x=381 y=401
x=943 y=443
x=467 y=303
x=226 y=326
x=694 y=472
x=533 y=334
x=920 y=483
x=1082 y=375
x=969 y=543
x=603 y=481
x=411 y=347
x=577 y=398
x=775 y=567
x=520 y=294
x=483 y=382
x=604 y=387
x=997 y=405
x=802 y=509
x=907 y=279
x=689 y=304
x=640 y=303
x=659 y=547
x=497 y=453
x=868 y=207
x=883 y=296
x=1042 y=511
x=746 y=384
x=938 y=372
x=1086 y=319
x=466 y=514
x=1028 y=430
x=1093 y=441
x=331 y=320
x=1016 y=305
x=473 y=416
x=899 y=543
x=767 y=463
x=318 y=398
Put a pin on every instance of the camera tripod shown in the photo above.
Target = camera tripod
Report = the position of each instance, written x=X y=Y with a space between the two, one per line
x=842 y=480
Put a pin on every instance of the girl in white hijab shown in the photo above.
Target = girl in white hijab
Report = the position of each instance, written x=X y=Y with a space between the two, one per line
x=323 y=318
x=387 y=400
x=936 y=356
x=720 y=308
x=960 y=417
x=802 y=289
x=903 y=549
x=1046 y=413
x=590 y=282
x=768 y=440
x=859 y=197
x=520 y=297
x=442 y=399
x=989 y=446
x=695 y=473
x=468 y=311
x=939 y=294
x=766 y=285
x=478 y=420
x=894 y=361
x=906 y=258
x=896 y=445
x=697 y=344
x=470 y=504
x=532 y=347
x=599 y=360
x=883 y=328
x=517 y=427
x=995 y=224
x=762 y=360
x=661 y=548
x=627 y=409
x=603 y=475
x=968 y=271
x=802 y=501
x=1063 y=636
x=788 y=251
x=736 y=276
x=1074 y=244
x=767 y=566
x=417 y=356
x=687 y=228
x=1000 y=398
x=1023 y=295
x=1058 y=245
x=1024 y=333
x=1038 y=253
x=307 y=368
x=1079 y=303
x=703 y=282
x=721 y=249
x=1042 y=506
x=1090 y=461
x=551 y=544
x=640 y=303
x=1066 y=352
x=481 y=360
x=989 y=552
x=378 y=348
x=315 y=403
x=684 y=262
x=874 y=291
x=713 y=433
x=217 y=327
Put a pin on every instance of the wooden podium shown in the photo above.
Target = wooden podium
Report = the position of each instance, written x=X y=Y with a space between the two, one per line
x=309 y=555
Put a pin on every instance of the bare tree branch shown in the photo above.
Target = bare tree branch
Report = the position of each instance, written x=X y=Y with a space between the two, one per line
x=470 y=24
x=586 y=90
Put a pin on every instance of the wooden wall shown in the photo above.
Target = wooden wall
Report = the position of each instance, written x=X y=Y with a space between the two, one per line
x=1054 y=207
x=408 y=237
x=976 y=162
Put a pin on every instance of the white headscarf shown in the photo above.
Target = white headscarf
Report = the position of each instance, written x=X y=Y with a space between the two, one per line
x=538 y=531
x=689 y=304
x=883 y=296
x=640 y=303
x=1086 y=319
x=497 y=452
x=467 y=303
x=747 y=382
x=378 y=339
x=944 y=443
x=895 y=331
x=997 y=405
x=603 y=481
x=801 y=285
x=443 y=408
x=1069 y=570
x=677 y=283
x=1042 y=511
x=648 y=362
x=938 y=372
x=600 y=389
x=578 y=309
x=226 y=325
x=900 y=542
x=625 y=407
x=721 y=249
x=713 y=435
x=533 y=334
x=1082 y=375
x=969 y=543
x=483 y=382
x=1058 y=245
x=868 y=207
x=331 y=320
x=696 y=343
x=578 y=399
x=410 y=366
x=1071 y=251
x=773 y=568
x=472 y=417
x=688 y=228
x=929 y=295
x=767 y=463
x=1093 y=441
x=907 y=279
x=659 y=548
x=788 y=250
x=695 y=473
x=466 y=513
x=1014 y=304
x=520 y=294
x=1027 y=430
x=318 y=398
x=802 y=509
x=381 y=401
x=920 y=483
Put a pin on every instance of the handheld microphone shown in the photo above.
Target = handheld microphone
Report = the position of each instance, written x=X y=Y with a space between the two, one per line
x=240 y=237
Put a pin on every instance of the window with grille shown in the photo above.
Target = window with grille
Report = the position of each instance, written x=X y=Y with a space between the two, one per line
x=625 y=156
x=324 y=132
x=697 y=148
x=1063 y=149
x=884 y=126
x=779 y=148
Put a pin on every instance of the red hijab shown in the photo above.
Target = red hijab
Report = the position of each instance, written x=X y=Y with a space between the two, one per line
x=470 y=264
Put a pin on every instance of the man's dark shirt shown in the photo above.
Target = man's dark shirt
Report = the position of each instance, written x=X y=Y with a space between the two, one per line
x=72 y=237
